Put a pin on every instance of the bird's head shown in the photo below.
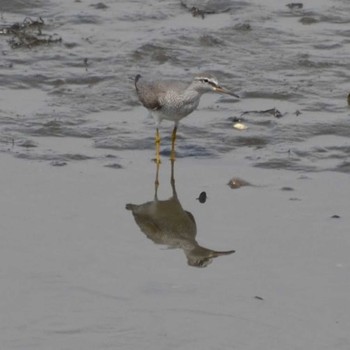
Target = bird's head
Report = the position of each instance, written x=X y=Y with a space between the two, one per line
x=208 y=83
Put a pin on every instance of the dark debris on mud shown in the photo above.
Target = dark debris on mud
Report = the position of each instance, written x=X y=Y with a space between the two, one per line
x=201 y=8
x=28 y=34
x=295 y=5
x=272 y=111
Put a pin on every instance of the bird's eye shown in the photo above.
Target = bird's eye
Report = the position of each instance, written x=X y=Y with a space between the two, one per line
x=206 y=80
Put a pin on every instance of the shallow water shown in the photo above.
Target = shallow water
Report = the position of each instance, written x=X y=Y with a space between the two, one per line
x=78 y=270
x=266 y=53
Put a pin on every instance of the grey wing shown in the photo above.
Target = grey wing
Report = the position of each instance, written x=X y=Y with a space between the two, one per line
x=149 y=93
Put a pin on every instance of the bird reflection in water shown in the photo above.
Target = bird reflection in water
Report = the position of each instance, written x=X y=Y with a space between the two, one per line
x=166 y=222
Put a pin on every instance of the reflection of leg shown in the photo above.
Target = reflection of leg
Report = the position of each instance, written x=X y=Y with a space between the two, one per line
x=156 y=182
x=173 y=139
x=157 y=146
x=172 y=177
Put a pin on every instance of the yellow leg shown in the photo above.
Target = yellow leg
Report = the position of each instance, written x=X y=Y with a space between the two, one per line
x=173 y=139
x=157 y=147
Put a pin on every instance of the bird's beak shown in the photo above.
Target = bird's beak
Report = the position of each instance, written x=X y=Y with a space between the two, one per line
x=222 y=90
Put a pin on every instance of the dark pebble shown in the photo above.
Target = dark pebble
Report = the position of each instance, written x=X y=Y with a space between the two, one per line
x=202 y=197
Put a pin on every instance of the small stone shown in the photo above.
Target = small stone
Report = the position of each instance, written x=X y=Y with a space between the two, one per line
x=295 y=5
x=308 y=20
x=99 y=6
x=58 y=163
x=286 y=188
x=236 y=182
x=114 y=166
x=202 y=197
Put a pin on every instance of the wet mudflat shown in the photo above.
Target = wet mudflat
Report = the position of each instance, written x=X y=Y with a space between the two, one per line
x=78 y=271
x=77 y=268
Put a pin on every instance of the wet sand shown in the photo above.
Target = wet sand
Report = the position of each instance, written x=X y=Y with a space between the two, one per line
x=75 y=148
x=78 y=273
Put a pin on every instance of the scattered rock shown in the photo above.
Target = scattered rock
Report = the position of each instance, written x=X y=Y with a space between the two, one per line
x=58 y=163
x=236 y=119
x=295 y=5
x=110 y=156
x=202 y=197
x=26 y=143
x=286 y=188
x=203 y=7
x=196 y=12
x=114 y=166
x=236 y=182
x=243 y=27
x=99 y=6
x=308 y=20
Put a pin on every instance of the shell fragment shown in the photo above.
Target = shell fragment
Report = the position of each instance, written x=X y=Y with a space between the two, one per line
x=240 y=126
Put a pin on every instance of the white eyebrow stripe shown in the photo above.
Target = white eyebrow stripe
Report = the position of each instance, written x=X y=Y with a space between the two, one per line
x=212 y=82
